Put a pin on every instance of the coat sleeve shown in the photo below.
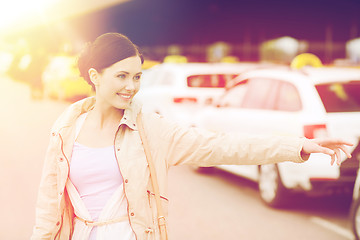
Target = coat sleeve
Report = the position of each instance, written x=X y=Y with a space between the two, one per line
x=204 y=148
x=46 y=215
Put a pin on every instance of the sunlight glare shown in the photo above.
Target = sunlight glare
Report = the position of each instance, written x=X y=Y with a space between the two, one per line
x=15 y=11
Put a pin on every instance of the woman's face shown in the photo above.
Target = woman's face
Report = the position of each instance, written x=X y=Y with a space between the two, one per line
x=117 y=85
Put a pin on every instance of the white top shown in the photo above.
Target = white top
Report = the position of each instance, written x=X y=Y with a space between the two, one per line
x=96 y=192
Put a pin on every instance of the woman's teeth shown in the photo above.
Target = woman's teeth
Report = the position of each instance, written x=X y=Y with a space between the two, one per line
x=124 y=96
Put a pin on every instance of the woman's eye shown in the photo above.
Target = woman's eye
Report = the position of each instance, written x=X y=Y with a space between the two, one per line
x=122 y=76
x=137 y=77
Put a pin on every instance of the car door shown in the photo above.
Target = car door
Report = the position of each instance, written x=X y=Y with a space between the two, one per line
x=257 y=106
x=227 y=117
x=271 y=106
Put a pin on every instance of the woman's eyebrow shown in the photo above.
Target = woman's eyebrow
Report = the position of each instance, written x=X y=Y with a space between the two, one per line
x=122 y=72
x=128 y=72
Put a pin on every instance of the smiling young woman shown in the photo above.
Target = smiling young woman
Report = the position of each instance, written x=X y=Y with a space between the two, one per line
x=114 y=71
x=96 y=179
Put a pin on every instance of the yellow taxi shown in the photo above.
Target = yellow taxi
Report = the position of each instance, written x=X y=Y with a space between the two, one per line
x=61 y=80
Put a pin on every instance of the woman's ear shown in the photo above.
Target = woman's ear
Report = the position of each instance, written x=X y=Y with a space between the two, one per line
x=94 y=76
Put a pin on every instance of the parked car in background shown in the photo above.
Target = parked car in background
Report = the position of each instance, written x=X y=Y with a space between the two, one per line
x=61 y=80
x=177 y=90
x=310 y=102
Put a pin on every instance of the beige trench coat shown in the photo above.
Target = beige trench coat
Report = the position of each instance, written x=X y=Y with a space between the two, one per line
x=170 y=145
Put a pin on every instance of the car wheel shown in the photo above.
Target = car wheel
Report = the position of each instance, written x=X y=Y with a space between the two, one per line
x=355 y=218
x=272 y=190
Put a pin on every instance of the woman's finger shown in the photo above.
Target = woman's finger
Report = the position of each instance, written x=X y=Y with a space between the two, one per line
x=331 y=141
x=345 y=150
x=332 y=159
x=338 y=156
x=324 y=150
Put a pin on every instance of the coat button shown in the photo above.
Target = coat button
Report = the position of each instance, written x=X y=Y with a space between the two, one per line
x=58 y=223
x=132 y=214
x=53 y=134
x=61 y=159
x=118 y=149
x=126 y=180
x=61 y=193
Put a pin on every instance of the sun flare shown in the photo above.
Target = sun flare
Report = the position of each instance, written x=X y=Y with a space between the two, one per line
x=15 y=13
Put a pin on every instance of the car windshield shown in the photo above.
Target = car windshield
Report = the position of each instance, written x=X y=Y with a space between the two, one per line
x=340 y=97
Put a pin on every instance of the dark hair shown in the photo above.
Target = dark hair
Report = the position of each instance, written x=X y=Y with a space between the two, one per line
x=106 y=50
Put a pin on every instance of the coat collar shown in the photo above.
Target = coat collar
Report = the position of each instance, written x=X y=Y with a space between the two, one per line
x=70 y=115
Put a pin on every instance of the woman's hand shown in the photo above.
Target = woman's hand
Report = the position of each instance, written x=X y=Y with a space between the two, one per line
x=330 y=147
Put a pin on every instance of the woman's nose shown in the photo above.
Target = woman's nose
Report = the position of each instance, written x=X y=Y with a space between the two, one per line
x=130 y=85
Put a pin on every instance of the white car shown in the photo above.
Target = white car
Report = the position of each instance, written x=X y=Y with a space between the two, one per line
x=311 y=102
x=178 y=90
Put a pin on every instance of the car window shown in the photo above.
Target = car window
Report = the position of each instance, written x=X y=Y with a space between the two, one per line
x=234 y=96
x=209 y=80
x=288 y=98
x=261 y=94
x=340 y=97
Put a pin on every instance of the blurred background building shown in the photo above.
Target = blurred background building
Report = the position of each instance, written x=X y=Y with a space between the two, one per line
x=203 y=30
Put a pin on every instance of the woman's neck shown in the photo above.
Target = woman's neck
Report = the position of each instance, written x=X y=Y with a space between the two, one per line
x=103 y=117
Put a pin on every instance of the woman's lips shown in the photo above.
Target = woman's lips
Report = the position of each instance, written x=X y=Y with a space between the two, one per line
x=124 y=96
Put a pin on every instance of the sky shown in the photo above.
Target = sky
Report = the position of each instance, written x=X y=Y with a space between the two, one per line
x=158 y=22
